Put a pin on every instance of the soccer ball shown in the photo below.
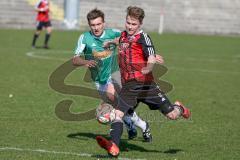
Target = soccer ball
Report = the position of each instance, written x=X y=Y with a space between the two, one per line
x=105 y=113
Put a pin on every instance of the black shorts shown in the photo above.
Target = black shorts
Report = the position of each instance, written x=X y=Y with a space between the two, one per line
x=40 y=25
x=150 y=94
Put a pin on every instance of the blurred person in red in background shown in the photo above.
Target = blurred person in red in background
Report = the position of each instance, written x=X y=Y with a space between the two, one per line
x=43 y=21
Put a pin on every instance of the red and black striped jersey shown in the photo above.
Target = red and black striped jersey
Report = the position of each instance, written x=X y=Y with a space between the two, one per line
x=133 y=55
x=43 y=16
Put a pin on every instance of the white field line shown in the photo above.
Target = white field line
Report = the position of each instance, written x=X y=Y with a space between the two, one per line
x=56 y=152
x=43 y=55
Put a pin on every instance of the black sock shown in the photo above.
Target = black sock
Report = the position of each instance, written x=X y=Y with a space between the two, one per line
x=35 y=36
x=47 y=37
x=116 y=132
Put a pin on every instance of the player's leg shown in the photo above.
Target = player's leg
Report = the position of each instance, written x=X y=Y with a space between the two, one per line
x=143 y=125
x=39 y=27
x=127 y=119
x=130 y=126
x=48 y=26
x=112 y=145
x=173 y=111
x=126 y=100
x=108 y=93
x=156 y=99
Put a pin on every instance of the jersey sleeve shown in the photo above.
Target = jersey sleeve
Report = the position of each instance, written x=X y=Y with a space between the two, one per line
x=116 y=32
x=147 y=44
x=80 y=46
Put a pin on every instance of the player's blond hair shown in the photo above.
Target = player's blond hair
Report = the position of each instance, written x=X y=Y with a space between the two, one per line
x=136 y=12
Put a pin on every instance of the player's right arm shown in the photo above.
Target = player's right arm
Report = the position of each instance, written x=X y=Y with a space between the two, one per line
x=78 y=59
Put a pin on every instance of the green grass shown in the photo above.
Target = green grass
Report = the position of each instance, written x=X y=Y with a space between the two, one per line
x=204 y=71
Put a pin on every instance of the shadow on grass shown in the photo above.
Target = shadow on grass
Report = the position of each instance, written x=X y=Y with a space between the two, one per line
x=172 y=151
x=124 y=147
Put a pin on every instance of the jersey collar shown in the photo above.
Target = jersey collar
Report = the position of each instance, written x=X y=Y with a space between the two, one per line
x=102 y=35
x=140 y=31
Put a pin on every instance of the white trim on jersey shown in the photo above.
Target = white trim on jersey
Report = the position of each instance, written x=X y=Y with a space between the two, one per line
x=149 y=44
x=80 y=46
x=116 y=30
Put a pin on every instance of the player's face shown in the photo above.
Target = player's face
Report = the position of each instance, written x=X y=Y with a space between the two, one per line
x=132 y=25
x=97 y=26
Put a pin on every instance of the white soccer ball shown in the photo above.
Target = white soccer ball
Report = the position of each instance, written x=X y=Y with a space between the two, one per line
x=105 y=113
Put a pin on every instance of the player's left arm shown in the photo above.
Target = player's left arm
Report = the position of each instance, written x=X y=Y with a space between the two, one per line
x=150 y=64
x=108 y=43
x=149 y=53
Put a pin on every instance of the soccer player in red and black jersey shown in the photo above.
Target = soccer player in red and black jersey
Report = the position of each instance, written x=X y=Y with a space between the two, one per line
x=43 y=21
x=136 y=60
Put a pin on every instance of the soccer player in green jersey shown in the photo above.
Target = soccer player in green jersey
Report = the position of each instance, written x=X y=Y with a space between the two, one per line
x=102 y=62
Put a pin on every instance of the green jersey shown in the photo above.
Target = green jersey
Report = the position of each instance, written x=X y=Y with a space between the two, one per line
x=88 y=44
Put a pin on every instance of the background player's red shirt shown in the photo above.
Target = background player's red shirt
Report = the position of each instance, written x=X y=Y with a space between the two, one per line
x=44 y=15
x=133 y=55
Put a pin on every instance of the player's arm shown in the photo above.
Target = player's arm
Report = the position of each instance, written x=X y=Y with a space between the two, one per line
x=112 y=42
x=149 y=53
x=151 y=61
x=150 y=64
x=78 y=59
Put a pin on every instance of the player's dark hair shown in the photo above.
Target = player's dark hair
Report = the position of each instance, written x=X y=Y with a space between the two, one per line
x=95 y=13
x=136 y=12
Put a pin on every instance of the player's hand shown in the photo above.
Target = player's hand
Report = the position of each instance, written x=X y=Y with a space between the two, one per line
x=146 y=70
x=91 y=63
x=159 y=59
x=107 y=44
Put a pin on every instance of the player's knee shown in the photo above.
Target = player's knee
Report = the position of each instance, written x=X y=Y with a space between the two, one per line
x=49 y=30
x=119 y=115
x=111 y=97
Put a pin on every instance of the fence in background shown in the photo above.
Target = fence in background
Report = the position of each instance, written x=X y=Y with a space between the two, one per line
x=188 y=16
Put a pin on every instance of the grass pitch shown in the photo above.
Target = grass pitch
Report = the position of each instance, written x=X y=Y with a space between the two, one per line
x=204 y=71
